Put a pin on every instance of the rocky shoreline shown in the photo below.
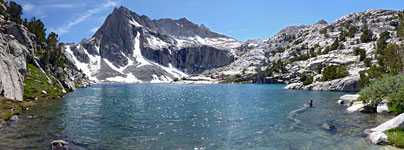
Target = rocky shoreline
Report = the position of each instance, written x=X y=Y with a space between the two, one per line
x=375 y=135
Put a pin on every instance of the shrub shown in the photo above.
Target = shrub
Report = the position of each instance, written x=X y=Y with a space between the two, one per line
x=237 y=76
x=367 y=62
x=382 y=88
x=396 y=101
x=381 y=43
x=335 y=45
x=390 y=59
x=334 y=72
x=308 y=80
x=319 y=68
x=367 y=35
x=175 y=79
x=400 y=29
x=298 y=41
x=352 y=31
x=395 y=137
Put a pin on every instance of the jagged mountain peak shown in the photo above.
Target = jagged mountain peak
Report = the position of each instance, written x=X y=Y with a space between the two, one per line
x=133 y=48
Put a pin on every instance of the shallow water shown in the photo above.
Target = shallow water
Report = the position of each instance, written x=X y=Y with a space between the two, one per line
x=166 y=116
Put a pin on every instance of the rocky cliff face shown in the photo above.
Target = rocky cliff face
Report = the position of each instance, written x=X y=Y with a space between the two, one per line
x=133 y=48
x=298 y=50
x=18 y=48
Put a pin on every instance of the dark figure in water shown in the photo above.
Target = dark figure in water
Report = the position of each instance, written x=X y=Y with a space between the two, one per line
x=311 y=103
x=332 y=127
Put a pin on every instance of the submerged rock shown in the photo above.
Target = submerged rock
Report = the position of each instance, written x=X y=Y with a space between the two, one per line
x=60 y=145
x=14 y=118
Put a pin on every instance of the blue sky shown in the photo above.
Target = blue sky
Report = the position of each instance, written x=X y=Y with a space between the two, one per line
x=74 y=20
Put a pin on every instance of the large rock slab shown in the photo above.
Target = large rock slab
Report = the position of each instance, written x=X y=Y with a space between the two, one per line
x=391 y=124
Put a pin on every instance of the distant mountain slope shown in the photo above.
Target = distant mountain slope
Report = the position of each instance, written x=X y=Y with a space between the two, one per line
x=302 y=53
x=133 y=48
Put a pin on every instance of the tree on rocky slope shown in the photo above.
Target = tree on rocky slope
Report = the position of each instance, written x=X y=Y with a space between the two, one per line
x=15 y=12
x=367 y=35
x=400 y=29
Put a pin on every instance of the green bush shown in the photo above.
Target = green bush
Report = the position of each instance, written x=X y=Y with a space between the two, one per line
x=367 y=62
x=390 y=59
x=395 y=137
x=335 y=45
x=381 y=43
x=367 y=35
x=382 y=88
x=396 y=101
x=308 y=80
x=334 y=72
x=400 y=29
x=319 y=68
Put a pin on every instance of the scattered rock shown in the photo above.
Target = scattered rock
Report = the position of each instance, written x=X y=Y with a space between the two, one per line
x=382 y=107
x=357 y=106
x=31 y=117
x=14 y=118
x=340 y=102
x=378 y=138
x=347 y=98
x=60 y=145
x=44 y=92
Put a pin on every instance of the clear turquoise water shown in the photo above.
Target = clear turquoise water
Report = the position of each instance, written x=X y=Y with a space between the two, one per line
x=166 y=116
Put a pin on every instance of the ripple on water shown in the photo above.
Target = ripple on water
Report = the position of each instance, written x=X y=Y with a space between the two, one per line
x=165 y=116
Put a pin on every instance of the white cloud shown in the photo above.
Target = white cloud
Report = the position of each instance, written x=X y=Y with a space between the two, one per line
x=28 y=7
x=83 y=17
x=62 y=5
x=93 y=30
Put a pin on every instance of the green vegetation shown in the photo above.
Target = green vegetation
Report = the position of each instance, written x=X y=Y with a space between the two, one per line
x=35 y=82
x=367 y=62
x=389 y=62
x=15 y=12
x=298 y=41
x=36 y=27
x=334 y=45
x=400 y=29
x=334 y=72
x=367 y=35
x=319 y=68
x=276 y=67
x=381 y=43
x=8 y=108
x=306 y=80
x=360 y=52
x=386 y=86
x=395 y=137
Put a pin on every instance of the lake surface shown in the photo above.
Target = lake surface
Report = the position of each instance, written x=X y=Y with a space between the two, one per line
x=166 y=116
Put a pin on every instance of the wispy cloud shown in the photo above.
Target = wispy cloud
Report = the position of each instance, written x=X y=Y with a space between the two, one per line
x=83 y=17
x=28 y=7
x=93 y=30
x=62 y=6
